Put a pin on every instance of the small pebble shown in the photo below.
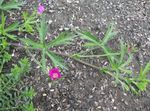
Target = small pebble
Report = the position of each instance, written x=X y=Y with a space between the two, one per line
x=115 y=107
x=52 y=90
x=44 y=94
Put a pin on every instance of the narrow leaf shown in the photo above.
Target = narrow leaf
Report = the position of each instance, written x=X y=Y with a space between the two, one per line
x=63 y=38
x=3 y=19
x=42 y=29
x=13 y=37
x=127 y=62
x=89 y=44
x=34 y=45
x=12 y=27
x=146 y=69
x=109 y=34
x=57 y=60
x=122 y=51
x=88 y=36
x=11 y=5
x=1 y=1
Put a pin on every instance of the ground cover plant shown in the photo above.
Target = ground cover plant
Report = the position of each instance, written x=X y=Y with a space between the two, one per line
x=8 y=5
x=14 y=96
x=119 y=62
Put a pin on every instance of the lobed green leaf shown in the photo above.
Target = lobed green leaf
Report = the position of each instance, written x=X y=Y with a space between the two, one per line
x=57 y=60
x=42 y=29
x=109 y=34
x=34 y=45
x=61 y=39
x=10 y=5
x=88 y=36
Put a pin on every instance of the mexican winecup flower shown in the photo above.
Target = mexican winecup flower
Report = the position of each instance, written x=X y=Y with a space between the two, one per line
x=54 y=73
x=40 y=8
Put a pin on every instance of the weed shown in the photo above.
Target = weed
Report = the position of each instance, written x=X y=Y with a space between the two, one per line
x=12 y=98
x=43 y=46
x=29 y=22
x=118 y=61
x=6 y=6
x=4 y=55
x=5 y=31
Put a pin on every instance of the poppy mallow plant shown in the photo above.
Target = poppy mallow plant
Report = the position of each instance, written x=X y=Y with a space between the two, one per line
x=54 y=73
x=40 y=8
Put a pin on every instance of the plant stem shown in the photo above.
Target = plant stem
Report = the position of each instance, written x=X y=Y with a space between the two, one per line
x=97 y=56
x=1 y=66
x=86 y=51
x=8 y=108
x=78 y=60
x=36 y=61
x=43 y=61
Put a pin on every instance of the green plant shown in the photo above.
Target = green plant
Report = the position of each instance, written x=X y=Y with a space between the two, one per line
x=138 y=83
x=13 y=4
x=18 y=70
x=118 y=61
x=5 y=31
x=12 y=98
x=29 y=107
x=4 y=55
x=44 y=47
x=29 y=22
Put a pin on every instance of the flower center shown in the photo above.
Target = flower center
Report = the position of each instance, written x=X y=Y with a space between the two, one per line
x=55 y=75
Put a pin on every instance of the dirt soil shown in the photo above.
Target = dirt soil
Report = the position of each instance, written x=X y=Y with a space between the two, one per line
x=83 y=88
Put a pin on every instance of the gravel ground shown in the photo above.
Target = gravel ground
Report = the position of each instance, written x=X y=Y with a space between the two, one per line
x=83 y=88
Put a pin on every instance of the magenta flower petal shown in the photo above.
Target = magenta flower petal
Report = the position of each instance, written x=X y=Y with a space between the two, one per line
x=54 y=73
x=40 y=9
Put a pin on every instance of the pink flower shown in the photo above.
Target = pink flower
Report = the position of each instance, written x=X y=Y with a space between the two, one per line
x=54 y=73
x=40 y=8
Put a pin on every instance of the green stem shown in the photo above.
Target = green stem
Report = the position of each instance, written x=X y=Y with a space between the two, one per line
x=78 y=60
x=110 y=74
x=82 y=52
x=107 y=52
x=1 y=66
x=97 y=56
x=36 y=61
x=8 y=108
x=87 y=64
x=43 y=61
